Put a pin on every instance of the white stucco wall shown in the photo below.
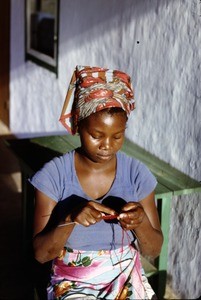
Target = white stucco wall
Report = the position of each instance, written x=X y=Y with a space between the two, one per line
x=158 y=43
x=184 y=259
x=164 y=65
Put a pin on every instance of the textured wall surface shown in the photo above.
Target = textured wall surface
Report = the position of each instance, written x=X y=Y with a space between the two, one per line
x=184 y=264
x=157 y=43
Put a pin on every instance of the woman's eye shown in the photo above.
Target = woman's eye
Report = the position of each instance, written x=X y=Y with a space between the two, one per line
x=96 y=137
x=118 y=137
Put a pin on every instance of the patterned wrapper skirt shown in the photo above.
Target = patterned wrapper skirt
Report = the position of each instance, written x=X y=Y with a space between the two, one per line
x=115 y=274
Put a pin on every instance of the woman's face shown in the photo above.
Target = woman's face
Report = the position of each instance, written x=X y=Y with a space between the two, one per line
x=102 y=135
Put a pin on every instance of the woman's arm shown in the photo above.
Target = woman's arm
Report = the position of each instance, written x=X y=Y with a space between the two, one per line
x=49 y=240
x=142 y=217
x=47 y=244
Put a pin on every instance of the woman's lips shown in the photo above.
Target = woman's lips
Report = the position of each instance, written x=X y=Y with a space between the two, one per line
x=105 y=156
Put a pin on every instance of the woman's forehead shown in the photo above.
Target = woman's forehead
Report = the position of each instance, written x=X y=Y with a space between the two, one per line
x=102 y=119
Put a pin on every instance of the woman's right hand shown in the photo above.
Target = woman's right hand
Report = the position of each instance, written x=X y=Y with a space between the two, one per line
x=89 y=214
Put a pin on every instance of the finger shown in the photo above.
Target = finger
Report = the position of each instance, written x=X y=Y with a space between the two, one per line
x=131 y=225
x=87 y=220
x=131 y=217
x=131 y=206
x=90 y=215
x=128 y=216
x=102 y=208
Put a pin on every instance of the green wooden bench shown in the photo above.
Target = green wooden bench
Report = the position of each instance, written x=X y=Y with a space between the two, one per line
x=33 y=153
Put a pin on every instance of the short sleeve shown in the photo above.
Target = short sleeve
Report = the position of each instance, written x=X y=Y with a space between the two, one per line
x=144 y=181
x=49 y=179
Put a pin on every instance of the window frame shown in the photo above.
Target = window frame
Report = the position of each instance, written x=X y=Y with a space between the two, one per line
x=38 y=57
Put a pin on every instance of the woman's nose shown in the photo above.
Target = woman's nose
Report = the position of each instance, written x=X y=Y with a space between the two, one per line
x=106 y=144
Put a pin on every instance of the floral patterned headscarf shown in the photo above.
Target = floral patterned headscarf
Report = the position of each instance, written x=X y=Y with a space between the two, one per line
x=93 y=89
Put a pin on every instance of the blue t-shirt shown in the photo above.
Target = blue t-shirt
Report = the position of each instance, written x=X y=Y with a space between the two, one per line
x=58 y=180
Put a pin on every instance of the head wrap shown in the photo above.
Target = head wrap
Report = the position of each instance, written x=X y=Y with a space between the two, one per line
x=93 y=89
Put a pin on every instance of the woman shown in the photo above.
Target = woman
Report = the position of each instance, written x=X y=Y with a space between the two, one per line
x=95 y=204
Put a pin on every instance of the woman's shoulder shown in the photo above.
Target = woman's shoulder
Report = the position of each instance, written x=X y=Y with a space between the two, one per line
x=131 y=165
x=63 y=159
x=124 y=158
x=56 y=167
x=137 y=173
x=51 y=178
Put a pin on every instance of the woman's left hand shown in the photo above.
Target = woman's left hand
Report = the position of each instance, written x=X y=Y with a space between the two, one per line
x=131 y=216
x=142 y=217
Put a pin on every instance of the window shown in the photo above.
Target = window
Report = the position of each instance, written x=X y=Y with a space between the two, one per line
x=42 y=18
